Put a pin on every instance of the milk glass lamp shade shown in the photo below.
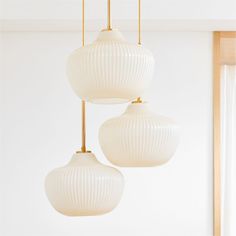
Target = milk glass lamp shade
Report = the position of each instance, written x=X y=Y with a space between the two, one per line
x=139 y=138
x=84 y=187
x=110 y=70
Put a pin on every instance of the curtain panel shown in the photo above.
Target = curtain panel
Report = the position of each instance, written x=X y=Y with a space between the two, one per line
x=228 y=140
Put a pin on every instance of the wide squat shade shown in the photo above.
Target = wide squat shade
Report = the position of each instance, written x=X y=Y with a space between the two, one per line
x=110 y=70
x=84 y=187
x=138 y=138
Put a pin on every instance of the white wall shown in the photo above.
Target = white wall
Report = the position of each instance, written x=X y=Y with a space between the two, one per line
x=41 y=124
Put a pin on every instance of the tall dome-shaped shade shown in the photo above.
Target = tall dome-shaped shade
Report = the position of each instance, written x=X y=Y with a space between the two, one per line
x=84 y=187
x=138 y=138
x=110 y=70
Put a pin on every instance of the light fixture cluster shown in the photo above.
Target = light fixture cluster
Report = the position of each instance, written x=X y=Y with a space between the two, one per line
x=110 y=70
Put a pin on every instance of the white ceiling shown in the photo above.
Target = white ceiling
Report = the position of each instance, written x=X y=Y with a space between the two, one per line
x=121 y=9
x=194 y=15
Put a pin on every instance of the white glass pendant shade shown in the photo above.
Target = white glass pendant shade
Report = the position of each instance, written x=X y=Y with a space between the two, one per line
x=110 y=70
x=139 y=138
x=84 y=187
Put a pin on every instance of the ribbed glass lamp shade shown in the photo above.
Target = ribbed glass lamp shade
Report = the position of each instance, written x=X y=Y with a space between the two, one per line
x=84 y=187
x=110 y=70
x=138 y=138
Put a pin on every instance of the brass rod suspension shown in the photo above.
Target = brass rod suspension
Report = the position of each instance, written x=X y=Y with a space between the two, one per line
x=83 y=23
x=139 y=22
x=109 y=15
x=83 y=147
x=83 y=104
x=138 y=100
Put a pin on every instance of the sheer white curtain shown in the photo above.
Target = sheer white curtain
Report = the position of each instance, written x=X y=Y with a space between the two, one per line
x=228 y=106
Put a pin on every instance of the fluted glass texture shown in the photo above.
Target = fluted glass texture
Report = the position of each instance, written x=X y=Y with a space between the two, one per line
x=139 y=138
x=84 y=187
x=110 y=70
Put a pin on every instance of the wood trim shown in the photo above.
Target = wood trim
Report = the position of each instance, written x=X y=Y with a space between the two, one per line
x=228 y=49
x=228 y=34
x=216 y=136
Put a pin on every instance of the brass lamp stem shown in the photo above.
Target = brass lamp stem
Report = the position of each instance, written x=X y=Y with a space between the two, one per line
x=139 y=100
x=109 y=15
x=83 y=23
x=83 y=104
x=139 y=22
x=83 y=147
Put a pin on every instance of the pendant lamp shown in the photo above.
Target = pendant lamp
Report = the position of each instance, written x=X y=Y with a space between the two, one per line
x=110 y=70
x=139 y=137
x=84 y=187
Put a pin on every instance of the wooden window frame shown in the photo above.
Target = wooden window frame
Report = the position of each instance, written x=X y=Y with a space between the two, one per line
x=217 y=128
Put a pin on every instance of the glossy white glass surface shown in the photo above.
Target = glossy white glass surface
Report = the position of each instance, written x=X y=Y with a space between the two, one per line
x=110 y=70
x=139 y=138
x=84 y=187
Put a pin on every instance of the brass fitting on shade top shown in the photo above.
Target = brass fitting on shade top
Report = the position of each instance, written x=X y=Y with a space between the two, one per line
x=138 y=100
